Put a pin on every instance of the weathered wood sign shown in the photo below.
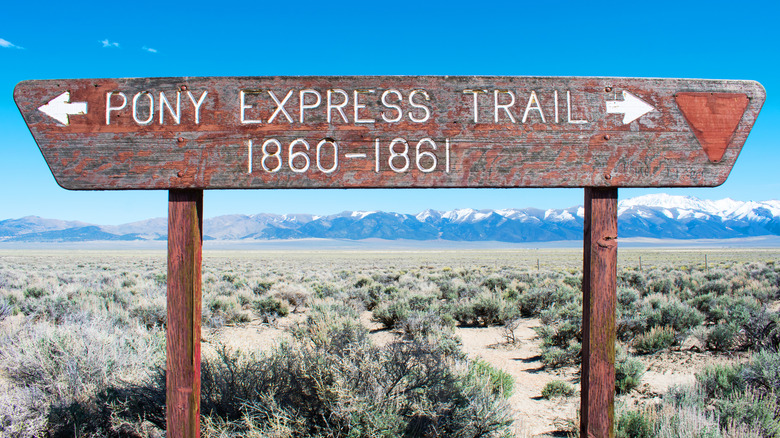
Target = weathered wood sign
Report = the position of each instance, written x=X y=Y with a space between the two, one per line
x=320 y=132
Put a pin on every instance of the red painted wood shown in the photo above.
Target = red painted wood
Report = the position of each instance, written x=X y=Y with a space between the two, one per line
x=599 y=285
x=714 y=118
x=522 y=132
x=185 y=238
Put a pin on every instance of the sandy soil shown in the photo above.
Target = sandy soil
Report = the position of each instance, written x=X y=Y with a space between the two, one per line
x=535 y=416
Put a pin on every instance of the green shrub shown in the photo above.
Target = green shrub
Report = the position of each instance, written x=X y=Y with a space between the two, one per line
x=558 y=388
x=688 y=422
x=721 y=337
x=261 y=287
x=750 y=407
x=534 y=301
x=332 y=381
x=501 y=383
x=495 y=283
x=271 y=306
x=661 y=311
x=484 y=310
x=424 y=322
x=363 y=281
x=34 y=292
x=715 y=287
x=152 y=313
x=377 y=294
x=223 y=309
x=627 y=300
x=632 y=279
x=395 y=314
x=636 y=424
x=663 y=285
x=54 y=308
x=326 y=290
x=573 y=282
x=720 y=381
x=763 y=372
x=6 y=308
x=761 y=331
x=391 y=314
x=657 y=339
x=628 y=372
x=556 y=357
x=160 y=279
x=75 y=371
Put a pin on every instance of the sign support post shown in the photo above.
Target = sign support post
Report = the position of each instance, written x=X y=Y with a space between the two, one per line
x=185 y=243
x=599 y=286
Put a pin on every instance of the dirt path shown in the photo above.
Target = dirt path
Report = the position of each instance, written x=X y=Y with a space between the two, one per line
x=535 y=415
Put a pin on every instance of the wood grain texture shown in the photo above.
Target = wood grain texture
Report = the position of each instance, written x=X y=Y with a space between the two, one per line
x=599 y=285
x=510 y=147
x=185 y=238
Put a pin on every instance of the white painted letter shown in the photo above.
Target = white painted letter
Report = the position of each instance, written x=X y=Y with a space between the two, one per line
x=390 y=105
x=110 y=108
x=340 y=106
x=164 y=100
x=358 y=106
x=135 y=108
x=533 y=99
x=302 y=97
x=244 y=106
x=555 y=98
x=505 y=106
x=476 y=103
x=335 y=155
x=568 y=110
x=416 y=105
x=197 y=104
x=280 y=106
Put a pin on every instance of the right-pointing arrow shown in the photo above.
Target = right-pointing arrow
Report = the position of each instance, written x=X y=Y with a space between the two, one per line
x=631 y=107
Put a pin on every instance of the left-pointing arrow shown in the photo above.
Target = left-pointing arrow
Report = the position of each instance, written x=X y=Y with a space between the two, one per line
x=60 y=108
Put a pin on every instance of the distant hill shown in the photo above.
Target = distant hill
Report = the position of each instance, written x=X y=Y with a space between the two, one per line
x=658 y=216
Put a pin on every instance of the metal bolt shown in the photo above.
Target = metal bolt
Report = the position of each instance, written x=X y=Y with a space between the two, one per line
x=180 y=174
x=608 y=89
x=181 y=139
x=607 y=176
x=183 y=88
x=607 y=137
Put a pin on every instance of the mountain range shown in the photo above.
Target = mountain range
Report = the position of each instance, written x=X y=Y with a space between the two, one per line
x=660 y=216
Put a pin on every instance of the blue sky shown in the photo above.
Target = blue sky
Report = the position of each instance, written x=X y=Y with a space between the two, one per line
x=41 y=40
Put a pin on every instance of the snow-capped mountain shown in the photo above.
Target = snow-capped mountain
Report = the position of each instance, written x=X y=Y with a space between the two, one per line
x=659 y=216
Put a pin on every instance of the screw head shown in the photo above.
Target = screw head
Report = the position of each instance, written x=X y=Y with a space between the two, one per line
x=183 y=88
x=607 y=137
x=180 y=174
x=607 y=89
x=607 y=176
x=180 y=139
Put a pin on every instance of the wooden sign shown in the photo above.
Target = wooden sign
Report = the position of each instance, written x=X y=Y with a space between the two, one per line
x=339 y=132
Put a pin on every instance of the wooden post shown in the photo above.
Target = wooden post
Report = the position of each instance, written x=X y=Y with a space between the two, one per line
x=599 y=286
x=185 y=239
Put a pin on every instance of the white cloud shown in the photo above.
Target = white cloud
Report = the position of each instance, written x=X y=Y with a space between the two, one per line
x=8 y=45
x=107 y=43
x=149 y=49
